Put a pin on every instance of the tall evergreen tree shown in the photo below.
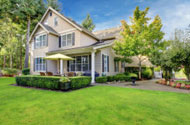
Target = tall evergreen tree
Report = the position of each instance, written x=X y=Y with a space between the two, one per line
x=88 y=23
x=54 y=4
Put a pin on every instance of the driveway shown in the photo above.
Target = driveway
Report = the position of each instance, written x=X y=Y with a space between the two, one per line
x=148 y=85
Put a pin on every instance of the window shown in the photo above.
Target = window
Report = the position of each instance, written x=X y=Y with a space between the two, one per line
x=67 y=40
x=40 y=41
x=123 y=64
x=116 y=63
x=39 y=64
x=55 y=21
x=81 y=63
x=105 y=63
x=50 y=13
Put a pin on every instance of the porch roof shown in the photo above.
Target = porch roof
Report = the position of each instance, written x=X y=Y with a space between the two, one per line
x=83 y=49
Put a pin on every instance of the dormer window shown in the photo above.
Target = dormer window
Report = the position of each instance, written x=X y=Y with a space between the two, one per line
x=55 y=21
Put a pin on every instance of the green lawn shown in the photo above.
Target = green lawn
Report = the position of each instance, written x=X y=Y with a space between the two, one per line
x=91 y=106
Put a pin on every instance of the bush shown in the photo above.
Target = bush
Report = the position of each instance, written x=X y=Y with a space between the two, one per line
x=65 y=83
x=147 y=73
x=9 y=72
x=26 y=71
x=110 y=78
x=121 y=77
x=132 y=75
x=102 y=79
x=48 y=82
x=79 y=82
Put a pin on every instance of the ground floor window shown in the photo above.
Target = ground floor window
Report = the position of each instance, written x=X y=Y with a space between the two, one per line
x=116 y=63
x=105 y=63
x=80 y=63
x=39 y=64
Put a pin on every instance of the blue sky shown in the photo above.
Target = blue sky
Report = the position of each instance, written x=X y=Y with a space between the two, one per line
x=108 y=13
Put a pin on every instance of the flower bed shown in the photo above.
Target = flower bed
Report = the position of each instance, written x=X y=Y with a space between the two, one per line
x=182 y=84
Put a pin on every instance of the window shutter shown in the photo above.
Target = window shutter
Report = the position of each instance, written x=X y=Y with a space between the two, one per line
x=73 y=39
x=34 y=61
x=47 y=40
x=115 y=66
x=108 y=62
x=59 y=41
x=34 y=42
x=67 y=66
x=102 y=62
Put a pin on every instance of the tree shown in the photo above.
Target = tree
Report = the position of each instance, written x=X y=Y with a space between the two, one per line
x=140 y=38
x=28 y=10
x=54 y=4
x=88 y=23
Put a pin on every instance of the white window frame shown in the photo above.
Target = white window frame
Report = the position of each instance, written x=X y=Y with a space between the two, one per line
x=56 y=21
x=41 y=43
x=66 y=44
x=40 y=65
x=88 y=58
x=105 y=63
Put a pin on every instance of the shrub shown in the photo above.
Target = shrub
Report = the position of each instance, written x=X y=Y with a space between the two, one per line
x=110 y=78
x=121 y=77
x=79 y=82
x=65 y=83
x=48 y=82
x=132 y=75
x=147 y=73
x=9 y=72
x=26 y=71
x=102 y=79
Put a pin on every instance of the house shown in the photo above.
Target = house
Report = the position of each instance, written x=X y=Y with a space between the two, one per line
x=92 y=52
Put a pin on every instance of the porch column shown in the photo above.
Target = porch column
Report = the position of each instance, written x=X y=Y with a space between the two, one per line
x=93 y=66
x=61 y=67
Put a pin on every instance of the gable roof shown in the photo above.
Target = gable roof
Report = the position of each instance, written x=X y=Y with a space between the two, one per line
x=47 y=28
x=108 y=33
x=70 y=21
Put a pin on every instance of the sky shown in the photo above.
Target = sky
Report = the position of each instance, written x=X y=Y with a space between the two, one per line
x=108 y=13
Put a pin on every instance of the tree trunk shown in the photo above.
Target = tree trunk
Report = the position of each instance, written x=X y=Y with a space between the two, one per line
x=4 y=62
x=21 y=58
x=11 y=61
x=27 y=44
x=140 y=70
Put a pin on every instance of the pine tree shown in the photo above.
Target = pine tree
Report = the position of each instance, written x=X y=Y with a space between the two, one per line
x=88 y=23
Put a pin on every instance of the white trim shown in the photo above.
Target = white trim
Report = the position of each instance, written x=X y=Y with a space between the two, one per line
x=103 y=46
x=69 y=30
x=65 y=34
x=93 y=66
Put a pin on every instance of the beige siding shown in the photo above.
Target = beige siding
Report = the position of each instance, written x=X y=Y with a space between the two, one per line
x=98 y=64
x=86 y=40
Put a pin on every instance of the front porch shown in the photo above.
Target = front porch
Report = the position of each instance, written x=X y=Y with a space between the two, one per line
x=83 y=63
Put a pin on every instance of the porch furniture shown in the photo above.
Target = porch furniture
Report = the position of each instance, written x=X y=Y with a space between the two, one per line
x=49 y=74
x=59 y=57
x=88 y=73
x=42 y=74
x=70 y=74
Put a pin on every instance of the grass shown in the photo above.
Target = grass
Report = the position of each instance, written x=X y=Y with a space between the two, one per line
x=93 y=105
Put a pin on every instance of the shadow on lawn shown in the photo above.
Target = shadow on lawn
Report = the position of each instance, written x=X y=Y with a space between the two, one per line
x=51 y=89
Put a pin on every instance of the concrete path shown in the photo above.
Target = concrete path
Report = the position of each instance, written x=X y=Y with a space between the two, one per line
x=148 y=85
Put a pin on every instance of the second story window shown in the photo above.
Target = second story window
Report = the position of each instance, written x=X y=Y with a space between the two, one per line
x=68 y=39
x=55 y=21
x=40 y=41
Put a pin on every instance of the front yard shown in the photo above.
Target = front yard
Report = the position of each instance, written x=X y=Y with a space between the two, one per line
x=92 y=105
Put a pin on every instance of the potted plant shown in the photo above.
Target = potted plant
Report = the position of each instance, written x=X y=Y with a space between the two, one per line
x=171 y=82
x=65 y=83
x=173 y=85
x=178 y=85
x=163 y=81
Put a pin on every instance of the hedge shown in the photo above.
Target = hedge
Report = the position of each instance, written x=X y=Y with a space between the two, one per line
x=52 y=82
x=79 y=82
x=39 y=81
x=9 y=72
x=121 y=77
x=102 y=79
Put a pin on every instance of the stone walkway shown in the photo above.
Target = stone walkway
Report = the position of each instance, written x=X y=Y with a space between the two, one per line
x=148 y=85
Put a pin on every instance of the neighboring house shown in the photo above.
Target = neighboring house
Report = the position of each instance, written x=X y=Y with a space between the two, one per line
x=92 y=52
